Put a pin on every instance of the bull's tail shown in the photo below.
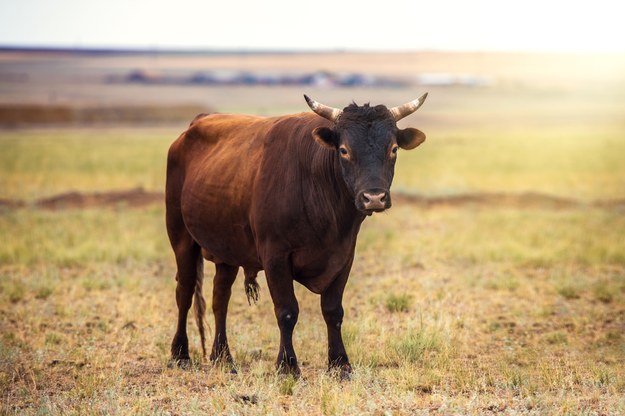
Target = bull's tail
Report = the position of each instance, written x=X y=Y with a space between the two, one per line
x=199 y=304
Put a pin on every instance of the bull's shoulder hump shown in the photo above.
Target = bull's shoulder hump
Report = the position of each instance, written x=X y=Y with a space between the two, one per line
x=219 y=127
x=228 y=117
x=239 y=119
x=226 y=121
x=214 y=128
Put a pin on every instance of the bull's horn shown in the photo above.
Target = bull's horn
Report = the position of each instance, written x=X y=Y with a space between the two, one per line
x=404 y=110
x=324 y=111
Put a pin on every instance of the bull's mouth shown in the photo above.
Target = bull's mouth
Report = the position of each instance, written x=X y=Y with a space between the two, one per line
x=369 y=212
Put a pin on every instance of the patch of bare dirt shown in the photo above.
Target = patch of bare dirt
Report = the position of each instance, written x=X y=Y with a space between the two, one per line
x=20 y=115
x=522 y=200
x=139 y=197
x=133 y=198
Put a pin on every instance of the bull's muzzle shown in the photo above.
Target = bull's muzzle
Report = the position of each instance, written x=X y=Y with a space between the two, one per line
x=373 y=200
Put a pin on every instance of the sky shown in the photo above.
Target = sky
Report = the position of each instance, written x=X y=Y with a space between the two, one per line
x=447 y=25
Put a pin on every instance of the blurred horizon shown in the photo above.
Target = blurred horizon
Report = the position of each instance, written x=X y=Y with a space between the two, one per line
x=278 y=25
x=192 y=50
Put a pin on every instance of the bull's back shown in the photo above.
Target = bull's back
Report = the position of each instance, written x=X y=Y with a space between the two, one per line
x=212 y=167
x=236 y=172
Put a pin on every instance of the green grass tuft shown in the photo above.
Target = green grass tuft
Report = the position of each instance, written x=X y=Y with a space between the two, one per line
x=569 y=291
x=287 y=385
x=417 y=345
x=398 y=303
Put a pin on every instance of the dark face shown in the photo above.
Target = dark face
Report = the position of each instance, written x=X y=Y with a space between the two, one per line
x=366 y=140
x=367 y=152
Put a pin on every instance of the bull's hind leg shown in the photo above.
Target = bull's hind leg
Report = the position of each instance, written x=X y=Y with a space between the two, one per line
x=190 y=272
x=222 y=289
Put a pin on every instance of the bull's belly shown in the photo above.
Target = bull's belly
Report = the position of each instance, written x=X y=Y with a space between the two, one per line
x=233 y=247
x=223 y=241
x=316 y=270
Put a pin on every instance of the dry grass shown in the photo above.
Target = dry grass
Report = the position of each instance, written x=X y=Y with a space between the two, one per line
x=39 y=163
x=88 y=313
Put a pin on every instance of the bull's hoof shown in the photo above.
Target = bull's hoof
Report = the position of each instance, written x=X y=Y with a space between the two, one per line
x=226 y=366
x=342 y=372
x=182 y=363
x=289 y=370
x=345 y=374
x=224 y=361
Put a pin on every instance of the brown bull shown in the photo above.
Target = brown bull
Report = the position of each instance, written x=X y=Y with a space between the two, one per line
x=285 y=195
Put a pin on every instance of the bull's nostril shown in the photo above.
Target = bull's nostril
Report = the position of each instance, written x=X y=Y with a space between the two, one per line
x=374 y=200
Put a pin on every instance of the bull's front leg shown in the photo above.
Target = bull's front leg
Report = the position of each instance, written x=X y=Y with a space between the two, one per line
x=280 y=283
x=332 y=309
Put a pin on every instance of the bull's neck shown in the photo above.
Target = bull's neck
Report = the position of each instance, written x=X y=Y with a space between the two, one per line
x=331 y=196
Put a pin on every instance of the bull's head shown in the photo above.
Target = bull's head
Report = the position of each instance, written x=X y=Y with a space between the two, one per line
x=366 y=140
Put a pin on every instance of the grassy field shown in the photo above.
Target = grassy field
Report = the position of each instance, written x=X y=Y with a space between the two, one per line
x=466 y=310
x=462 y=308
x=574 y=159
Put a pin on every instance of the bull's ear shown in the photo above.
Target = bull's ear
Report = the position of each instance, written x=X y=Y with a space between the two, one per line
x=326 y=137
x=410 y=138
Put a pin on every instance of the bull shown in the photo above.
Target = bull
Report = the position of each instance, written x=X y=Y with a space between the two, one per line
x=286 y=195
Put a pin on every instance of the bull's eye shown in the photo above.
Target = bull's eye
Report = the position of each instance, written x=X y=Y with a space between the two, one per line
x=394 y=150
x=343 y=151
